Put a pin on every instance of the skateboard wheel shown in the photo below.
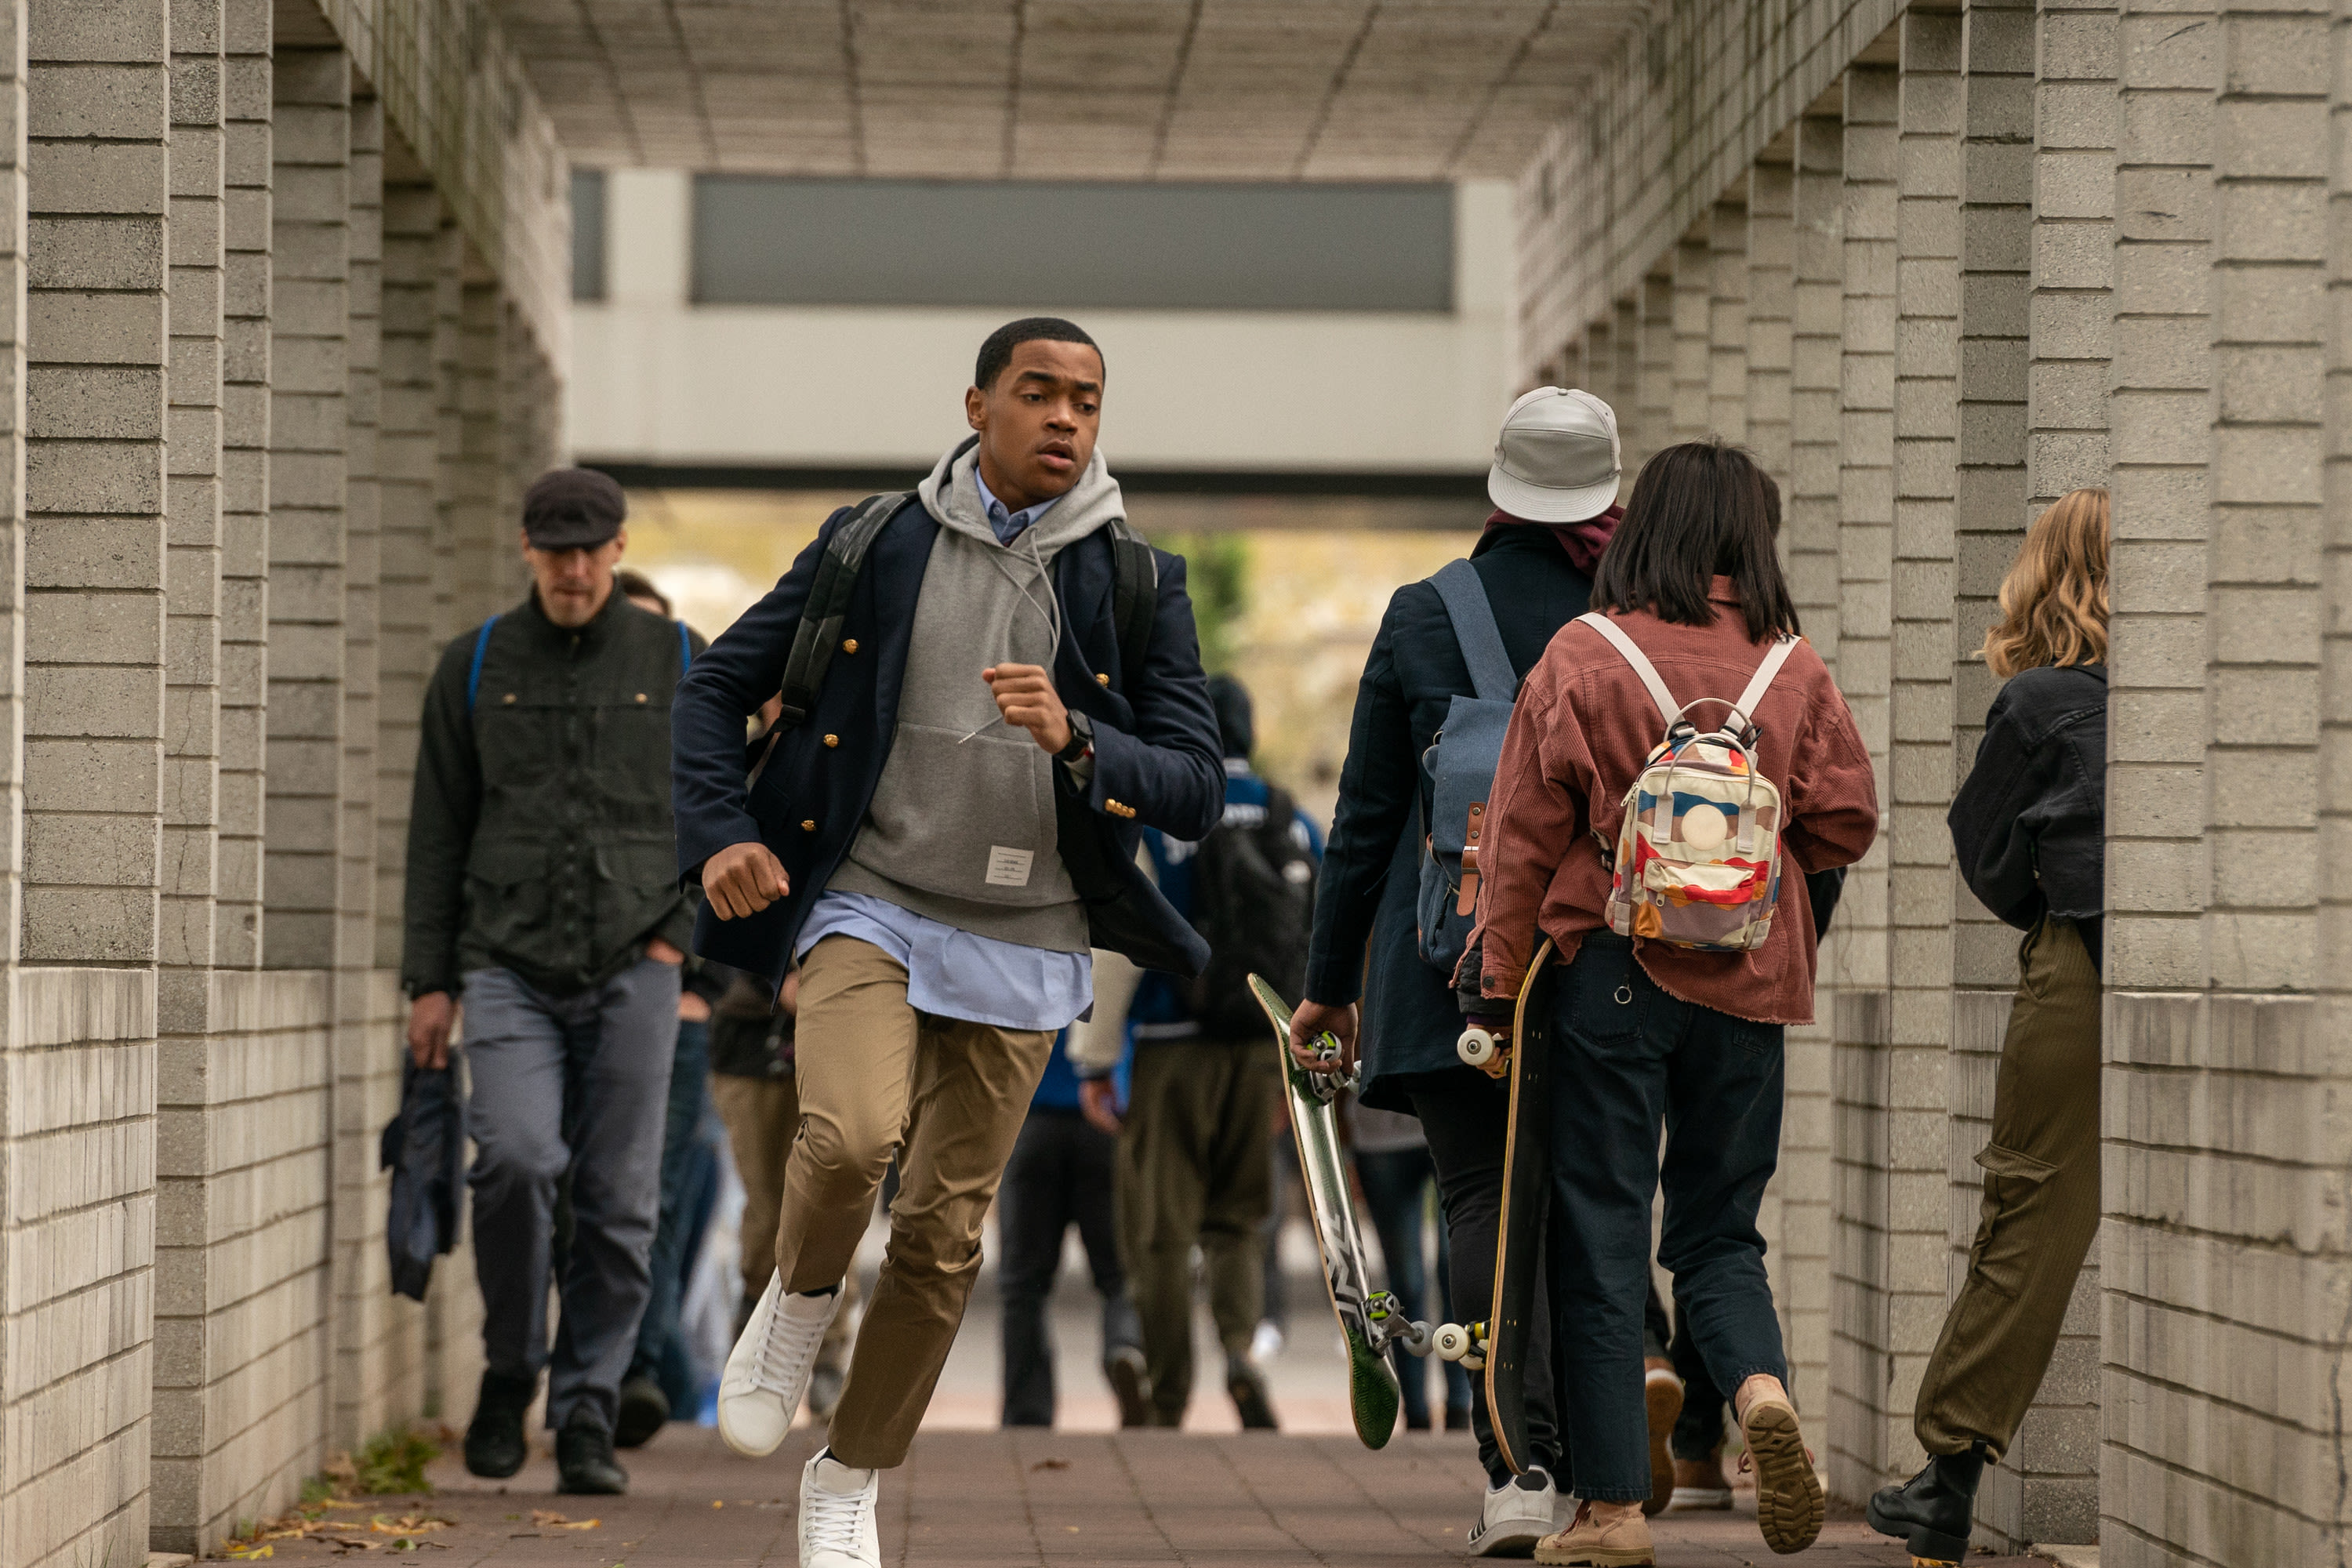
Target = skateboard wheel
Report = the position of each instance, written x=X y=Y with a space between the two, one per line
x=1451 y=1340
x=1476 y=1047
x=1417 y=1340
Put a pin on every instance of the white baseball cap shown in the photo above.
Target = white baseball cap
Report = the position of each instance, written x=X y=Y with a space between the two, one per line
x=1556 y=459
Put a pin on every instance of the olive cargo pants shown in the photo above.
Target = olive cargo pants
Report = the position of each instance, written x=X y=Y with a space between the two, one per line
x=2041 y=1205
x=948 y=1097
x=1195 y=1168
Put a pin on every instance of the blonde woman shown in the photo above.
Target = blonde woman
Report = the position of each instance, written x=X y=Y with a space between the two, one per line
x=2029 y=831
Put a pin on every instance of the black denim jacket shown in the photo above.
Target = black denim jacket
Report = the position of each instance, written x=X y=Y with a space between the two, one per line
x=2029 y=825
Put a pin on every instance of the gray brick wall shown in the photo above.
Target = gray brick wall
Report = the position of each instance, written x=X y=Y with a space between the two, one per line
x=1694 y=263
x=1726 y=317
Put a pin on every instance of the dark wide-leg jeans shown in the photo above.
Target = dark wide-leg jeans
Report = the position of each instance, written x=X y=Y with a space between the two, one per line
x=1628 y=1059
x=1061 y=1174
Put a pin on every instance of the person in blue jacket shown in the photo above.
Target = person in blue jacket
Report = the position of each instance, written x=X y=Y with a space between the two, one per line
x=940 y=830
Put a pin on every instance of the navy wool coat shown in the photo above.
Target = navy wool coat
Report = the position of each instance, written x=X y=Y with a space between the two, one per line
x=1157 y=760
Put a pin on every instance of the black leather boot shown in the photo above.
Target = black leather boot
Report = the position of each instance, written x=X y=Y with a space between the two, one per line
x=583 y=1458
x=495 y=1446
x=645 y=1408
x=1932 y=1510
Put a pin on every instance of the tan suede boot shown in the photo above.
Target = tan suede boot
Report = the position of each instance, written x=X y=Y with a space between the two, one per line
x=1623 y=1542
x=1788 y=1504
x=1661 y=1394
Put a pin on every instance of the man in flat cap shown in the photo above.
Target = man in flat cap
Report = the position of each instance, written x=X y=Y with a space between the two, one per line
x=543 y=888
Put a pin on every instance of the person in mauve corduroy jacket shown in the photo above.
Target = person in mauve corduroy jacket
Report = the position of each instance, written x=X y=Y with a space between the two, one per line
x=1648 y=1035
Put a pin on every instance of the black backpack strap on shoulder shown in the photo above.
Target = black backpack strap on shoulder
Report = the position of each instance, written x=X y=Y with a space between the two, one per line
x=1134 y=598
x=819 y=632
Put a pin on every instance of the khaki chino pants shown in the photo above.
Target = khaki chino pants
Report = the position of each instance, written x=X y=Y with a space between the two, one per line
x=2041 y=1205
x=948 y=1097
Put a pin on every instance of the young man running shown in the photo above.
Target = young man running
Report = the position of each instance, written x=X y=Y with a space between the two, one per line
x=1014 y=690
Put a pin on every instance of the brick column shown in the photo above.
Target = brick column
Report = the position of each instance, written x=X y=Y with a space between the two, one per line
x=1726 y=316
x=310 y=323
x=1597 y=359
x=1770 y=301
x=16 y=1257
x=81 y=1205
x=1808 y=532
x=478 y=541
x=2073 y=240
x=1657 y=363
x=2159 y=795
x=1861 y=1433
x=1694 y=263
x=246 y=107
x=1625 y=385
x=1816 y=292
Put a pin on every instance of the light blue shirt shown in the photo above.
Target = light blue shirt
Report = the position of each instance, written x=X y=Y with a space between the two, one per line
x=956 y=974
x=1007 y=525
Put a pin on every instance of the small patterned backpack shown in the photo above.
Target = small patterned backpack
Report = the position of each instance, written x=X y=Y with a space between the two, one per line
x=1698 y=855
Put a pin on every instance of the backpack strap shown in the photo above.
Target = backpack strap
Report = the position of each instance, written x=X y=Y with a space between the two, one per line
x=685 y=650
x=819 y=632
x=1473 y=615
x=474 y=671
x=1668 y=707
x=1743 y=712
x=1134 y=598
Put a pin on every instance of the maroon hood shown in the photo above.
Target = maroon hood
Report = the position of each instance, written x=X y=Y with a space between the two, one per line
x=1584 y=540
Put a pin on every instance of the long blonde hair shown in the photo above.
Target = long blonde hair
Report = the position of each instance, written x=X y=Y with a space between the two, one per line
x=2053 y=602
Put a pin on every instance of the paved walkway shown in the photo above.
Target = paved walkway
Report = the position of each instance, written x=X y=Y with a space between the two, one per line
x=990 y=1500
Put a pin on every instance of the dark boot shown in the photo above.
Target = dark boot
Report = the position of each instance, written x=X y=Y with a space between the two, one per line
x=1247 y=1385
x=643 y=1408
x=583 y=1458
x=1932 y=1510
x=495 y=1446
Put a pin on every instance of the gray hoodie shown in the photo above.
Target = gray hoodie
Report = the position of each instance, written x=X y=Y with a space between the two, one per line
x=963 y=830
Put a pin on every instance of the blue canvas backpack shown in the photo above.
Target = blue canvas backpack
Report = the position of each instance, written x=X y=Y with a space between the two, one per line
x=1458 y=771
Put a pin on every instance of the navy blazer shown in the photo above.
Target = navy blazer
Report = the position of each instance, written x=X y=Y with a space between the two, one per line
x=1157 y=754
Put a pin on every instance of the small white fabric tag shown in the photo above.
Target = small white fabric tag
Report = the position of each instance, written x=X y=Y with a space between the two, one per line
x=1009 y=867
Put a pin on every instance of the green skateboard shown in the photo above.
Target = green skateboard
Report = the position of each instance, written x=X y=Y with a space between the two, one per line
x=1370 y=1321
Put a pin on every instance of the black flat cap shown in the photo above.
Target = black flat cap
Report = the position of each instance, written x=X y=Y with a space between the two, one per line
x=572 y=508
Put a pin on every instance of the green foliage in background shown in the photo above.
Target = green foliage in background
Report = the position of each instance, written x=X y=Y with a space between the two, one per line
x=392 y=1464
x=1216 y=574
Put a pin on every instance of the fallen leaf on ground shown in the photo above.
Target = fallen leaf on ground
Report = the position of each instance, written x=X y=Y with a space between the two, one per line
x=250 y=1553
x=407 y=1524
x=548 y=1519
x=1051 y=1465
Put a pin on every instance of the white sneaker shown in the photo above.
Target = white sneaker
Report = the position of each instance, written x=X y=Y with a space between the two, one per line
x=768 y=1370
x=837 y=1514
x=1515 y=1516
x=1266 y=1341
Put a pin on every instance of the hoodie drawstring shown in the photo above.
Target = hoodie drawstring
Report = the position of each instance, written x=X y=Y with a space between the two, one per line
x=1051 y=609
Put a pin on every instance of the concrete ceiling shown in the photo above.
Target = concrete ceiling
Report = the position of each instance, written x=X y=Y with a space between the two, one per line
x=1063 y=88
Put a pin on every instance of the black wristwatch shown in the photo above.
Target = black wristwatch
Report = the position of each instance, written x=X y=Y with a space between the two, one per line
x=1082 y=740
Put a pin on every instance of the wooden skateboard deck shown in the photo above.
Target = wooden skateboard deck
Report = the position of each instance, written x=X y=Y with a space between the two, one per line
x=1527 y=1190
x=1368 y=1321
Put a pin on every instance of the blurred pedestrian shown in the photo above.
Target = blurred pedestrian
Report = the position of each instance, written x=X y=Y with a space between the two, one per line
x=998 y=687
x=1391 y=1156
x=1061 y=1174
x=1554 y=486
x=540 y=884
x=647 y=1391
x=757 y=1097
x=2028 y=830
x=1194 y=1170
x=1680 y=1035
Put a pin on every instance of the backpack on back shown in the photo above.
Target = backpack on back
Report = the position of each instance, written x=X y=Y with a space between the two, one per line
x=1253 y=904
x=1698 y=853
x=1458 y=772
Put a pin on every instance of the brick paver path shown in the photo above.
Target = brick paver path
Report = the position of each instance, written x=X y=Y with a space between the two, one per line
x=989 y=1500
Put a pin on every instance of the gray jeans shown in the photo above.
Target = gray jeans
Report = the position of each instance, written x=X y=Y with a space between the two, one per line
x=575 y=1085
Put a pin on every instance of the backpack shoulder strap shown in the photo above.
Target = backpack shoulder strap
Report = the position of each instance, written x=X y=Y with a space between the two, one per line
x=1473 y=615
x=1134 y=598
x=1668 y=707
x=685 y=650
x=1744 y=711
x=819 y=631
x=474 y=670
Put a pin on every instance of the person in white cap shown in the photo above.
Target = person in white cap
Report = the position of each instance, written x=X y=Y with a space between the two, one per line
x=1554 y=483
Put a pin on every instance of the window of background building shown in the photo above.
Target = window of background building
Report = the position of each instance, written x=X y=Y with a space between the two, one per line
x=761 y=240
x=587 y=234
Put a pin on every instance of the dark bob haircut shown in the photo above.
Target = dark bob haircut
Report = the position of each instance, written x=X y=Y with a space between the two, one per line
x=997 y=352
x=1698 y=511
